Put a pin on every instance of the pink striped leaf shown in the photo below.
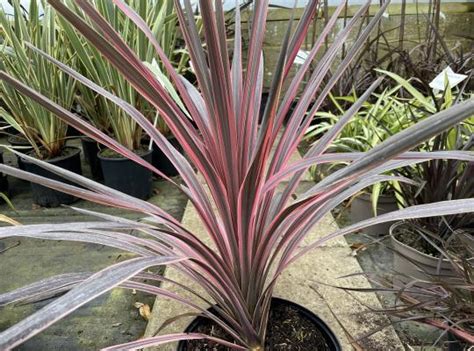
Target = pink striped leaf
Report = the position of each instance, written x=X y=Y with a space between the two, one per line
x=95 y=285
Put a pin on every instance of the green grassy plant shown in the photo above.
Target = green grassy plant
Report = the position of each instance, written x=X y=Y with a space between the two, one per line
x=43 y=130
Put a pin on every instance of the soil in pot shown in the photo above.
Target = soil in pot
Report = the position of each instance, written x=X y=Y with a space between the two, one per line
x=125 y=175
x=411 y=259
x=25 y=147
x=290 y=327
x=361 y=209
x=161 y=162
x=91 y=148
x=70 y=159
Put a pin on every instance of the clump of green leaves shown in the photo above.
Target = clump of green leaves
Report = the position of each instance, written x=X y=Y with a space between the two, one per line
x=44 y=131
x=381 y=117
x=162 y=19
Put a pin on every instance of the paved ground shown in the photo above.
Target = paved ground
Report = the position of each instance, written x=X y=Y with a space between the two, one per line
x=107 y=320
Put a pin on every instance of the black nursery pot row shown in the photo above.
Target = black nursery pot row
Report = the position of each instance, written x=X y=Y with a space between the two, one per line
x=125 y=175
x=116 y=172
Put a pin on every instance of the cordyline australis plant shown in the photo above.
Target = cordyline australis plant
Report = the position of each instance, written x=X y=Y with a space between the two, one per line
x=255 y=229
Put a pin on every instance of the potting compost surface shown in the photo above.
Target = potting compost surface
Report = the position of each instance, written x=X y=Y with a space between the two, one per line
x=288 y=330
x=110 y=319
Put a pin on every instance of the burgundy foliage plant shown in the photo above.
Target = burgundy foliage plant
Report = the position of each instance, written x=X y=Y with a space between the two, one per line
x=237 y=171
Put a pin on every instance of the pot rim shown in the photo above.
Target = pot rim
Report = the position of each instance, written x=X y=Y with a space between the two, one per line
x=88 y=139
x=55 y=159
x=383 y=198
x=121 y=158
x=13 y=143
x=434 y=260
x=327 y=332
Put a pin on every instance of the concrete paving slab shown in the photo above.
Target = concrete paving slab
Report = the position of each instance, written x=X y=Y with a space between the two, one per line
x=107 y=320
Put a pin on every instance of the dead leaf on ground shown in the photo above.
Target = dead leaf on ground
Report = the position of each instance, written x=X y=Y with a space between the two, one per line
x=356 y=247
x=144 y=310
x=9 y=220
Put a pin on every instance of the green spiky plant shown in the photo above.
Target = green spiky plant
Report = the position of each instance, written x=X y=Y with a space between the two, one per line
x=162 y=20
x=389 y=112
x=375 y=122
x=256 y=229
x=44 y=131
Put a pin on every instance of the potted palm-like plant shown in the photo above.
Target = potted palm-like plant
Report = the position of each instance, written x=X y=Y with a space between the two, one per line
x=391 y=111
x=39 y=129
x=119 y=172
x=255 y=230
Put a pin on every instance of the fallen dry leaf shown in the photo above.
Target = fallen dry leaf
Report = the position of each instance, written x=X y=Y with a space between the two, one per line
x=144 y=310
x=356 y=247
x=9 y=220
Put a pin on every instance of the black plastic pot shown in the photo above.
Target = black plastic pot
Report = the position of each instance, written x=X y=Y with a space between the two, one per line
x=127 y=176
x=16 y=140
x=3 y=177
x=161 y=162
x=319 y=324
x=454 y=344
x=91 y=148
x=73 y=132
x=47 y=197
x=6 y=128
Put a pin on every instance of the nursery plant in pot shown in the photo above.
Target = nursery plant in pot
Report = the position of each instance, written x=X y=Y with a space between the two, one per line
x=169 y=38
x=417 y=241
x=41 y=134
x=442 y=301
x=436 y=181
x=447 y=300
x=255 y=230
x=382 y=116
x=116 y=171
x=119 y=172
